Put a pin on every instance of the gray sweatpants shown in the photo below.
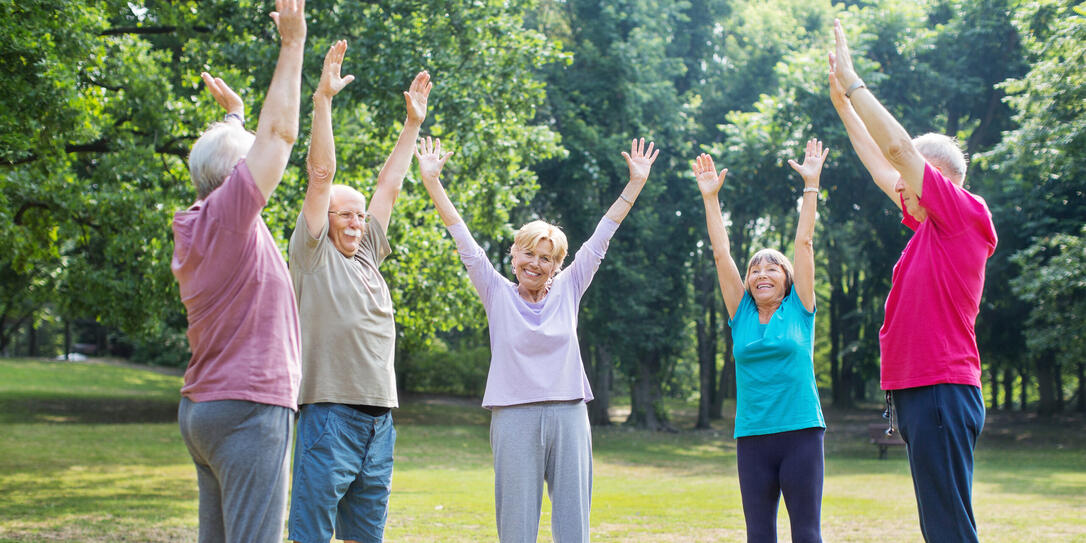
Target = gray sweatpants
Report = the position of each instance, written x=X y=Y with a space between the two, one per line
x=533 y=443
x=241 y=453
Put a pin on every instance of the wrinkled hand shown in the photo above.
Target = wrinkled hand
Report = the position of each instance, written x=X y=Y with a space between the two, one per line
x=813 y=160
x=331 y=82
x=640 y=160
x=709 y=182
x=417 y=96
x=289 y=17
x=841 y=59
x=428 y=153
x=223 y=94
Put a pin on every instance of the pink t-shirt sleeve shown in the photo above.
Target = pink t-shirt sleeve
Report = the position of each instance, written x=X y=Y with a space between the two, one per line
x=237 y=203
x=951 y=208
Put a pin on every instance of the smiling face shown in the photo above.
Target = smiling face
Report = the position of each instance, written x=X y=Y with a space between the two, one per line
x=769 y=277
x=345 y=219
x=534 y=266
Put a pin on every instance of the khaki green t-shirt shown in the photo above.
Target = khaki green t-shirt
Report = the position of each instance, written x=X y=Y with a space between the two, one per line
x=345 y=311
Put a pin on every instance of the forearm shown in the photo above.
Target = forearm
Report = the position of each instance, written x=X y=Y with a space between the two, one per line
x=321 y=160
x=892 y=139
x=882 y=172
x=398 y=162
x=728 y=278
x=445 y=208
x=803 y=258
x=622 y=205
x=279 y=115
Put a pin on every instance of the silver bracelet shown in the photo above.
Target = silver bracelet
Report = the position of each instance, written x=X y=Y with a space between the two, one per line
x=236 y=116
x=625 y=199
x=859 y=84
x=810 y=189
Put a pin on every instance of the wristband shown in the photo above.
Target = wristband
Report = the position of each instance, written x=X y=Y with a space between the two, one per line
x=236 y=116
x=859 y=84
x=810 y=189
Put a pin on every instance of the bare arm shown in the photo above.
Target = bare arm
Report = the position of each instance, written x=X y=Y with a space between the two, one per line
x=727 y=273
x=803 y=259
x=431 y=161
x=277 y=128
x=321 y=161
x=892 y=139
x=639 y=160
x=391 y=177
x=882 y=172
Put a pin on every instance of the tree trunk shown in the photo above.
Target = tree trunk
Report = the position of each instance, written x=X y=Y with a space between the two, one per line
x=645 y=395
x=67 y=337
x=1008 y=388
x=706 y=346
x=1046 y=404
x=1023 y=389
x=32 y=340
x=1081 y=387
x=726 y=384
x=598 y=366
x=1057 y=372
x=994 y=386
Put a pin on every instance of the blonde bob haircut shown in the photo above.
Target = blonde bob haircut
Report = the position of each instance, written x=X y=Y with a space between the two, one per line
x=530 y=235
x=215 y=154
x=771 y=256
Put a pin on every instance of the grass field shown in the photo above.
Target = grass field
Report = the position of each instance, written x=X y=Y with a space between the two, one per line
x=91 y=452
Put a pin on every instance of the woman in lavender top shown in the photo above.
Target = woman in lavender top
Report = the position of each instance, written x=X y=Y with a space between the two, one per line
x=537 y=387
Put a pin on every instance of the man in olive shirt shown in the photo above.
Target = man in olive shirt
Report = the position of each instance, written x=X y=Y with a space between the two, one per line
x=345 y=435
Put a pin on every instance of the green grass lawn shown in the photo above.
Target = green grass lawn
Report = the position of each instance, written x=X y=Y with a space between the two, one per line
x=90 y=452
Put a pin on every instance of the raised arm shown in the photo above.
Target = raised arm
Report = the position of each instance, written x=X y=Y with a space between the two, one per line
x=891 y=138
x=639 y=160
x=321 y=161
x=882 y=172
x=727 y=273
x=803 y=259
x=430 y=163
x=391 y=177
x=277 y=128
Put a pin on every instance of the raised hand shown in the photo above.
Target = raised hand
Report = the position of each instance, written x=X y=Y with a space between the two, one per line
x=224 y=95
x=709 y=182
x=428 y=153
x=331 y=82
x=640 y=160
x=837 y=92
x=841 y=59
x=289 y=17
x=417 y=97
x=813 y=160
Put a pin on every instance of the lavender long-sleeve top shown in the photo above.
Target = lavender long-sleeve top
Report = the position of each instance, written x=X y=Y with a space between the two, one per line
x=534 y=353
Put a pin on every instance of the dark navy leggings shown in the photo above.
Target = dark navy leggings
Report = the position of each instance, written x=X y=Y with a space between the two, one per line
x=788 y=463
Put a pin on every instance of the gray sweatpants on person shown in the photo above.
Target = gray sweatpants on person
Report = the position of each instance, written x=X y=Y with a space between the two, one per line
x=241 y=451
x=533 y=443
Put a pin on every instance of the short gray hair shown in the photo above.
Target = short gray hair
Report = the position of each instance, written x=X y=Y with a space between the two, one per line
x=945 y=153
x=215 y=154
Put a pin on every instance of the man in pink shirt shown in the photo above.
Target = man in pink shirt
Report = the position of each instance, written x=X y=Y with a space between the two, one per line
x=930 y=362
x=238 y=401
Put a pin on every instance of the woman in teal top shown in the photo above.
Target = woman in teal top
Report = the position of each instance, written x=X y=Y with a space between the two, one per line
x=778 y=418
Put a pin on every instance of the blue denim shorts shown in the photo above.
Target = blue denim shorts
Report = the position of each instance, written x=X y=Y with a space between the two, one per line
x=342 y=474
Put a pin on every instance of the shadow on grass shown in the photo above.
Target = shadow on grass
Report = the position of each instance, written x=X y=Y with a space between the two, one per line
x=31 y=408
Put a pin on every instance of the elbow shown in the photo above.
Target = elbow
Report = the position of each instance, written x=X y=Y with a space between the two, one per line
x=899 y=151
x=285 y=131
x=320 y=175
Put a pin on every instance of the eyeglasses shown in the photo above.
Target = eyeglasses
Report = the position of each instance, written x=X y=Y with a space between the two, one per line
x=346 y=215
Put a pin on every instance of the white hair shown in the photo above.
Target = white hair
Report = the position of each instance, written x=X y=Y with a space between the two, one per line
x=215 y=154
x=945 y=153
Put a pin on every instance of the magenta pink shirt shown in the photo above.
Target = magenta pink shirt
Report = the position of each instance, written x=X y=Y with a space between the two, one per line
x=243 y=322
x=928 y=336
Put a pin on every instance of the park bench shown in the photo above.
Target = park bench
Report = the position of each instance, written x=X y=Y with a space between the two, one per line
x=877 y=435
